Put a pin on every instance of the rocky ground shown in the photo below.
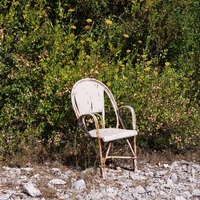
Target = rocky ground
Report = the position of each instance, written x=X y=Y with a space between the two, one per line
x=179 y=180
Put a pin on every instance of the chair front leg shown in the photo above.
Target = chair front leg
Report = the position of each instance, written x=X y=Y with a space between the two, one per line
x=135 y=154
x=102 y=160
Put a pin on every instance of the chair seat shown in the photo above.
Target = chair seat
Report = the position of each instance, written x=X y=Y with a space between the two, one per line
x=111 y=134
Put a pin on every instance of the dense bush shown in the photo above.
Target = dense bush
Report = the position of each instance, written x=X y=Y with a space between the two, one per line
x=147 y=52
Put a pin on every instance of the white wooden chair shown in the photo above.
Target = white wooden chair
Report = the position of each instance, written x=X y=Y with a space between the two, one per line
x=88 y=100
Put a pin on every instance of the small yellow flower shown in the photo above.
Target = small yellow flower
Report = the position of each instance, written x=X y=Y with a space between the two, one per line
x=140 y=41
x=141 y=78
x=82 y=41
x=147 y=69
x=155 y=73
x=167 y=64
x=116 y=70
x=88 y=39
x=71 y=62
x=15 y=3
x=108 y=21
x=88 y=20
x=71 y=10
x=73 y=27
x=87 y=27
x=149 y=62
x=128 y=51
x=126 y=35
x=109 y=84
x=143 y=56
x=124 y=77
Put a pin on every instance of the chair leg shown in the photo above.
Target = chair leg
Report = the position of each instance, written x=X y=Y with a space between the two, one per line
x=102 y=160
x=135 y=154
x=83 y=146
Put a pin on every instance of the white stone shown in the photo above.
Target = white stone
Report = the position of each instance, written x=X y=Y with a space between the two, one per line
x=174 y=177
x=27 y=169
x=31 y=190
x=79 y=185
x=169 y=182
x=150 y=189
x=36 y=177
x=54 y=171
x=139 y=189
x=179 y=198
x=159 y=174
x=57 y=182
x=196 y=193
x=7 y=194
x=186 y=195
x=165 y=165
x=135 y=177
x=122 y=178
x=174 y=165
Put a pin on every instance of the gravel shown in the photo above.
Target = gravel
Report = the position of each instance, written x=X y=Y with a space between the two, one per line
x=179 y=180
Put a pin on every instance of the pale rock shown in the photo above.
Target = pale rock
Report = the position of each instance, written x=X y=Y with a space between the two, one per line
x=79 y=197
x=35 y=177
x=174 y=177
x=139 y=189
x=174 y=165
x=122 y=178
x=29 y=188
x=110 y=190
x=57 y=182
x=49 y=185
x=27 y=169
x=138 y=177
x=79 y=185
x=159 y=174
x=119 y=169
x=150 y=189
x=15 y=171
x=166 y=166
x=164 y=195
x=197 y=167
x=6 y=194
x=149 y=174
x=54 y=171
x=179 y=198
x=196 y=193
x=186 y=195
x=6 y=168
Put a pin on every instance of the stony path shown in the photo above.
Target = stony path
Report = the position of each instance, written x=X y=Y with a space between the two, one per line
x=177 y=181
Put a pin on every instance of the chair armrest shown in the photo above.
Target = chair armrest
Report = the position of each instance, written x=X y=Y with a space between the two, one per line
x=132 y=115
x=81 y=123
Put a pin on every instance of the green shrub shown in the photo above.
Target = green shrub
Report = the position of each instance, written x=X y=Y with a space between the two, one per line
x=144 y=51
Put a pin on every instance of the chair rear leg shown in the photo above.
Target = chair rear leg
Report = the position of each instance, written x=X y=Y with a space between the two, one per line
x=83 y=146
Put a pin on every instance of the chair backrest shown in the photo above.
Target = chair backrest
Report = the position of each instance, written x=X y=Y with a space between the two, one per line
x=88 y=98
